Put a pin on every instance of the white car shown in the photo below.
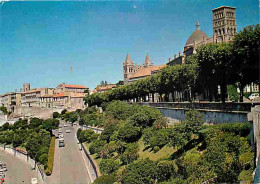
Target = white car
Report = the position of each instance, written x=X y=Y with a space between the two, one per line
x=253 y=96
x=65 y=125
x=61 y=136
x=68 y=131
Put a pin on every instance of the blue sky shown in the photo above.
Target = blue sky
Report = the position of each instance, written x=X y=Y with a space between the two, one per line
x=40 y=41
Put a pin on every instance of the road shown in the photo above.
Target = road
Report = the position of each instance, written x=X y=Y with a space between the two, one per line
x=69 y=166
x=18 y=172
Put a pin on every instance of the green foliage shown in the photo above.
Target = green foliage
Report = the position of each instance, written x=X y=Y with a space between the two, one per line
x=55 y=115
x=50 y=162
x=119 y=110
x=129 y=133
x=139 y=172
x=96 y=146
x=166 y=170
x=130 y=154
x=64 y=111
x=85 y=136
x=105 y=179
x=108 y=166
x=108 y=131
x=4 y=110
x=232 y=93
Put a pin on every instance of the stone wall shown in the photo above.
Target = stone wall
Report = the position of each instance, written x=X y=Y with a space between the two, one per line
x=213 y=113
x=210 y=116
x=39 y=112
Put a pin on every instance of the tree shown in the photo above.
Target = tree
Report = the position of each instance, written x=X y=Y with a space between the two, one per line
x=55 y=115
x=108 y=166
x=129 y=133
x=130 y=154
x=139 y=172
x=246 y=52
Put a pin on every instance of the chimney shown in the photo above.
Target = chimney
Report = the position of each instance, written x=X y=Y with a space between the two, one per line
x=175 y=56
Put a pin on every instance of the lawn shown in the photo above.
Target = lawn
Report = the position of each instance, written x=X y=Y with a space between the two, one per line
x=163 y=153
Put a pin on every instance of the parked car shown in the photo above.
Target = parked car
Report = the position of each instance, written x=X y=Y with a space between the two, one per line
x=253 y=96
x=60 y=126
x=61 y=136
x=68 y=131
x=65 y=125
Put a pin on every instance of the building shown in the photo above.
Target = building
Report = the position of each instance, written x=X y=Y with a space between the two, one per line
x=71 y=88
x=32 y=98
x=224 y=29
x=105 y=88
x=133 y=72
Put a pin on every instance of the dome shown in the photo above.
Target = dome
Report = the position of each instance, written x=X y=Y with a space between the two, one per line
x=197 y=36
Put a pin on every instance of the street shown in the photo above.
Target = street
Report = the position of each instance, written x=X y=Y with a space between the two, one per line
x=18 y=171
x=69 y=166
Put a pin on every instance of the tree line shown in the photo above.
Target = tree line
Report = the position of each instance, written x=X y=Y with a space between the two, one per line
x=205 y=75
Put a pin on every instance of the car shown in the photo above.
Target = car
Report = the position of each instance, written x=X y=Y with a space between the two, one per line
x=253 y=96
x=68 y=131
x=60 y=126
x=65 y=125
x=61 y=142
x=61 y=136
x=75 y=124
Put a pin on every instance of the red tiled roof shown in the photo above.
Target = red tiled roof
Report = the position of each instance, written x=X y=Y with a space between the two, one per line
x=60 y=95
x=143 y=72
x=75 y=86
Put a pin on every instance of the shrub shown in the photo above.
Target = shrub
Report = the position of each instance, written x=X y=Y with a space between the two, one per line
x=232 y=93
x=167 y=169
x=108 y=131
x=49 y=168
x=130 y=154
x=96 y=146
x=55 y=115
x=108 y=166
x=119 y=110
x=105 y=179
x=64 y=111
x=139 y=172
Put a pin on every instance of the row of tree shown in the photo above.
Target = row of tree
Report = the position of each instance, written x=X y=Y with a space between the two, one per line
x=214 y=65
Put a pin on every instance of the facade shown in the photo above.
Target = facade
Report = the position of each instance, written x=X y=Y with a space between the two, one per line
x=102 y=89
x=133 y=72
x=224 y=29
x=70 y=88
x=31 y=98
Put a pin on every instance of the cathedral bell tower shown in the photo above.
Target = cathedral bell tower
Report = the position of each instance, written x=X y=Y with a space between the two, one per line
x=224 y=23
x=128 y=68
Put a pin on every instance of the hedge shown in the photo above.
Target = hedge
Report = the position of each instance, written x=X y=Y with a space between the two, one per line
x=49 y=168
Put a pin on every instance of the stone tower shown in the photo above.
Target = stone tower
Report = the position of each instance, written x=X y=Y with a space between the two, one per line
x=224 y=23
x=26 y=87
x=128 y=68
x=147 y=62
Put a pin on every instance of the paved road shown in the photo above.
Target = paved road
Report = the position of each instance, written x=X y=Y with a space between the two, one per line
x=19 y=172
x=69 y=166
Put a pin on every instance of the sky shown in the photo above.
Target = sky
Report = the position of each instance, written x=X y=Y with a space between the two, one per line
x=84 y=42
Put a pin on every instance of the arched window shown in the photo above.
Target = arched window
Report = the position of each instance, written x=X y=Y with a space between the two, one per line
x=223 y=30
x=219 y=31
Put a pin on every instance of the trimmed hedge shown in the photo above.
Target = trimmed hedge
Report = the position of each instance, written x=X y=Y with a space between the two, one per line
x=49 y=168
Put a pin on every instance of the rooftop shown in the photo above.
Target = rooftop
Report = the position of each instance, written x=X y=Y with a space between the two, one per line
x=143 y=72
x=221 y=7
x=75 y=86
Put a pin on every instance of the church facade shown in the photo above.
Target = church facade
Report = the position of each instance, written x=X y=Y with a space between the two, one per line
x=133 y=72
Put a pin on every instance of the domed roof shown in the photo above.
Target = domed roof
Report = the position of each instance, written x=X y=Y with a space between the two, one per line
x=197 y=36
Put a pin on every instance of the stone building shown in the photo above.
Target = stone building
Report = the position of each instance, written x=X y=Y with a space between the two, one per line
x=224 y=29
x=31 y=98
x=70 y=88
x=102 y=89
x=133 y=72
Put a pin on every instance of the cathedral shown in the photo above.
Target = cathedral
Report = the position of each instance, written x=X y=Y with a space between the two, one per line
x=224 y=29
x=134 y=72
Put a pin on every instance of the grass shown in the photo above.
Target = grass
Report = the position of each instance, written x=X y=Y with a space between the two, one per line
x=163 y=153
